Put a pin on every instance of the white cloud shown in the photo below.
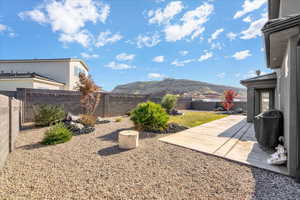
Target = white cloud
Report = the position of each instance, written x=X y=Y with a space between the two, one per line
x=125 y=57
x=215 y=35
x=6 y=30
x=119 y=66
x=205 y=56
x=89 y=56
x=221 y=75
x=182 y=63
x=254 y=29
x=247 y=19
x=249 y=6
x=35 y=15
x=231 y=36
x=242 y=55
x=69 y=18
x=164 y=16
x=155 y=76
x=191 y=24
x=147 y=40
x=158 y=59
x=216 y=45
x=3 y=27
x=83 y=37
x=183 y=53
x=107 y=38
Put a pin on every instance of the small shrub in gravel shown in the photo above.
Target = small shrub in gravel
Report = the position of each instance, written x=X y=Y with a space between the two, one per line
x=118 y=120
x=49 y=114
x=57 y=134
x=150 y=117
x=169 y=102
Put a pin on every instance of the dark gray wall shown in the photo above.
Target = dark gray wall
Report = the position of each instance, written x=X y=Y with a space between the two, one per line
x=111 y=104
x=9 y=125
x=210 y=106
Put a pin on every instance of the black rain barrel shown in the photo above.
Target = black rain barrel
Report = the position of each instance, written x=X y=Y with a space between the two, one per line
x=268 y=128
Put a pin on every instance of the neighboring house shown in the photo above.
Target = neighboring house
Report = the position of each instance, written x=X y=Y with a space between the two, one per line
x=61 y=74
x=281 y=89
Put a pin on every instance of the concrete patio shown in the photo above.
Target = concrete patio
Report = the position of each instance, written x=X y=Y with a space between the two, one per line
x=231 y=138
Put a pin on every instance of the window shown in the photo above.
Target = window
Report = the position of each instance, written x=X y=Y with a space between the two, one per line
x=264 y=101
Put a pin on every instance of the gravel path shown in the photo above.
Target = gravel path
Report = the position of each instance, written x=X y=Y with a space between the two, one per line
x=92 y=167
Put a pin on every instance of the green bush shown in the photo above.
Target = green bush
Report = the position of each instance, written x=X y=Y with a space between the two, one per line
x=149 y=116
x=169 y=102
x=49 y=114
x=57 y=134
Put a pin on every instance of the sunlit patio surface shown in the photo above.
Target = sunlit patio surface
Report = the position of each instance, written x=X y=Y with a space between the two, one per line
x=230 y=138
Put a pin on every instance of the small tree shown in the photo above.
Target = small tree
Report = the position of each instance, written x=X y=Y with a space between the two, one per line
x=169 y=102
x=229 y=96
x=90 y=95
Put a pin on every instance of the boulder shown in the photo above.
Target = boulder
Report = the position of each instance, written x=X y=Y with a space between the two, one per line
x=102 y=121
x=71 y=117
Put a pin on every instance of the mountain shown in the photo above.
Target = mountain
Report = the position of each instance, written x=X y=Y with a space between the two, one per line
x=196 y=89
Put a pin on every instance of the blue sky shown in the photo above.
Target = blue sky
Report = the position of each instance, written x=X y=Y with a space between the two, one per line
x=216 y=41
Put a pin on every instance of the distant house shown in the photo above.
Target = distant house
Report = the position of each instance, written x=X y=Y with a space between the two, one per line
x=281 y=89
x=57 y=74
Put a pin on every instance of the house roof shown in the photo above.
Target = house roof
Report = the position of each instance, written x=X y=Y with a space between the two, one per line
x=26 y=75
x=265 y=77
x=46 y=60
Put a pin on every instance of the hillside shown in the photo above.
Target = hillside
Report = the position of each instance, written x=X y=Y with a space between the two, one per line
x=182 y=87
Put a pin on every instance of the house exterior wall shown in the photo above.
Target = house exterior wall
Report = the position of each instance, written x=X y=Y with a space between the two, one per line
x=75 y=68
x=44 y=85
x=286 y=101
x=61 y=71
x=12 y=84
x=54 y=70
x=282 y=91
x=289 y=7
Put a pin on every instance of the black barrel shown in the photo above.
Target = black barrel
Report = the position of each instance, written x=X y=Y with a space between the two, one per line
x=268 y=128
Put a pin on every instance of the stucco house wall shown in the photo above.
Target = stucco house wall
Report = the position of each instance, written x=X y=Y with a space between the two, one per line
x=75 y=68
x=12 y=84
x=289 y=7
x=55 y=70
x=62 y=70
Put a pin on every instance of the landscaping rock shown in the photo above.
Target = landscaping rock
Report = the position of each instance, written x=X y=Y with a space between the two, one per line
x=78 y=128
x=102 y=121
x=172 y=128
x=176 y=112
x=71 y=117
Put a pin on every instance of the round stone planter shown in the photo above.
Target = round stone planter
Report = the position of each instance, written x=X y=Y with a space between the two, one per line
x=128 y=139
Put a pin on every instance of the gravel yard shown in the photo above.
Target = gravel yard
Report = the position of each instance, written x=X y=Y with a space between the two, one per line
x=92 y=167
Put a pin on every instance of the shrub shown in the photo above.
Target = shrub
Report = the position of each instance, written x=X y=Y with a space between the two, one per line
x=149 y=116
x=90 y=96
x=88 y=120
x=57 y=134
x=169 y=102
x=118 y=120
x=229 y=96
x=49 y=114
